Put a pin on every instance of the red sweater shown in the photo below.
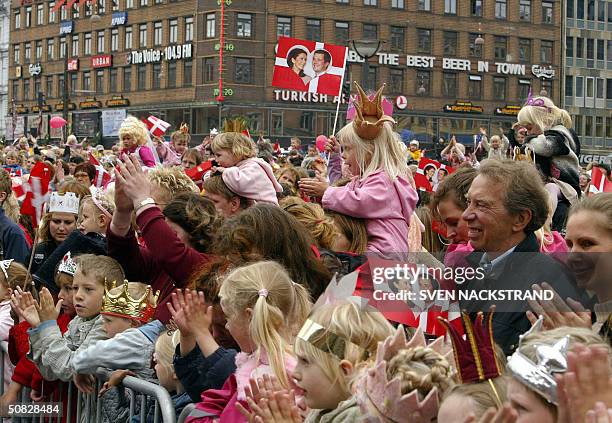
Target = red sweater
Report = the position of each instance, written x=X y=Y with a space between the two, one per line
x=165 y=262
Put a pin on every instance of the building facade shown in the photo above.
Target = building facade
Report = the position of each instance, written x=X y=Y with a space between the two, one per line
x=456 y=65
x=588 y=73
x=5 y=7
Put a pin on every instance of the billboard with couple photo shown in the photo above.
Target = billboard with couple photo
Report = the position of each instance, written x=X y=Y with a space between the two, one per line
x=311 y=66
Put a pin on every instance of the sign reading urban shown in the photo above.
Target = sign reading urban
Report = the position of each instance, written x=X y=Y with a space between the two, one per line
x=175 y=52
x=101 y=61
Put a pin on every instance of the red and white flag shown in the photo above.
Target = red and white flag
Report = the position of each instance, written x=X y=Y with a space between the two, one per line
x=599 y=182
x=157 y=127
x=37 y=192
x=312 y=66
x=19 y=188
x=102 y=176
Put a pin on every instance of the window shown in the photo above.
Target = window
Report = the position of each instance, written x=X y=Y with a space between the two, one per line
x=499 y=88
x=62 y=47
x=449 y=84
x=244 y=71
x=173 y=39
x=424 y=5
x=569 y=85
x=115 y=39
x=129 y=4
x=64 y=13
x=73 y=81
x=475 y=49
x=372 y=78
x=40 y=14
x=450 y=7
x=142 y=77
x=60 y=84
x=609 y=88
x=500 y=9
x=283 y=26
x=144 y=3
x=569 y=10
x=158 y=1
x=187 y=73
x=28 y=16
x=524 y=50
x=112 y=80
x=75 y=45
x=579 y=47
x=171 y=81
x=547 y=12
x=423 y=40
x=569 y=46
x=579 y=86
x=128 y=37
x=188 y=29
x=86 y=81
x=599 y=126
x=370 y=31
x=474 y=87
x=38 y=49
x=115 y=5
x=590 y=87
x=397 y=38
x=525 y=10
x=50 y=45
x=580 y=9
x=588 y=126
x=370 y=2
x=52 y=14
x=26 y=89
x=342 y=33
x=157 y=69
x=244 y=25
x=142 y=35
x=28 y=52
x=76 y=13
x=398 y=4
x=313 y=29
x=208 y=69
x=342 y=1
x=100 y=42
x=100 y=81
x=546 y=51
x=101 y=7
x=17 y=54
x=49 y=89
x=609 y=125
x=88 y=9
x=523 y=91
x=600 y=49
x=450 y=43
x=591 y=10
x=37 y=88
x=609 y=48
x=17 y=19
x=210 y=25
x=87 y=43
x=127 y=79
x=476 y=7
x=599 y=90
x=157 y=33
x=396 y=79
x=546 y=85
x=601 y=11
x=423 y=79
x=501 y=47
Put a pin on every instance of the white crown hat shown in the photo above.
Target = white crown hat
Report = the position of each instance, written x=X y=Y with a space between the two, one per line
x=67 y=203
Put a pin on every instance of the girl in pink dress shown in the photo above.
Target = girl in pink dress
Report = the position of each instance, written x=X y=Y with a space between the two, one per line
x=134 y=137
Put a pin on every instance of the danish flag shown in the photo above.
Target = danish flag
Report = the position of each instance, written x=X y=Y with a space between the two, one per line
x=102 y=176
x=157 y=127
x=37 y=192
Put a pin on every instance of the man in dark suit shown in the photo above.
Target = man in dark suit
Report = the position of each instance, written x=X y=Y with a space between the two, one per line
x=507 y=203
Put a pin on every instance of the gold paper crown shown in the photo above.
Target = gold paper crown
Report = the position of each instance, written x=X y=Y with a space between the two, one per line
x=123 y=305
x=235 y=125
x=184 y=128
x=370 y=115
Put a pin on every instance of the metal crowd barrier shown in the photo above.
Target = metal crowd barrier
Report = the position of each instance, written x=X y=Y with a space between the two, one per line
x=88 y=407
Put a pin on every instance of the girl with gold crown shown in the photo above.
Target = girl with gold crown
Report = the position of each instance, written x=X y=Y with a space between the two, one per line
x=381 y=191
x=170 y=153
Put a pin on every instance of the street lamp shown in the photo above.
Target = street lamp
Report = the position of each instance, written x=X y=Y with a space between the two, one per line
x=366 y=49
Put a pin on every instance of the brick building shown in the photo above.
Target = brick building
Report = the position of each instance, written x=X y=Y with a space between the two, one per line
x=432 y=56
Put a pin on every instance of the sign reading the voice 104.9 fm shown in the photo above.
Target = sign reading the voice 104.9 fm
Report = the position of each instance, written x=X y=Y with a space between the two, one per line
x=175 y=52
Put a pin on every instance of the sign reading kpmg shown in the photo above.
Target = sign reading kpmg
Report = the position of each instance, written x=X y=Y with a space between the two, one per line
x=119 y=18
x=66 y=27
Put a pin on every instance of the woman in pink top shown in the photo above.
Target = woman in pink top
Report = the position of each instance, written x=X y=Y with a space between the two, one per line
x=243 y=173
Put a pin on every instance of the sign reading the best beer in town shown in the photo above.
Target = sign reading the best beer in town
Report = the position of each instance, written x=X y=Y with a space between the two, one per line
x=175 y=52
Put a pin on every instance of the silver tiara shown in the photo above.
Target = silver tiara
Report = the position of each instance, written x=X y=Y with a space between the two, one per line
x=67 y=265
x=4 y=265
x=540 y=376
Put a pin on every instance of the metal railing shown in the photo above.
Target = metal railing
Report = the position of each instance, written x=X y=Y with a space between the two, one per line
x=88 y=407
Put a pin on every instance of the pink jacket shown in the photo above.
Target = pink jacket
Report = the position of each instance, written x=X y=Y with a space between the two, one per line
x=253 y=179
x=386 y=205
x=168 y=156
x=6 y=323
x=144 y=154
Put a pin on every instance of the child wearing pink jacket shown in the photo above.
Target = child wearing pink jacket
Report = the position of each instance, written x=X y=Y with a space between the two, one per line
x=243 y=173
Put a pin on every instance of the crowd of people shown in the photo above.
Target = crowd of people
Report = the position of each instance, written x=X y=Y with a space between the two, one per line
x=238 y=275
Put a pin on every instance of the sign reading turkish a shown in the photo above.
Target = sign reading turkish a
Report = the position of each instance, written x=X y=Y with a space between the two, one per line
x=311 y=66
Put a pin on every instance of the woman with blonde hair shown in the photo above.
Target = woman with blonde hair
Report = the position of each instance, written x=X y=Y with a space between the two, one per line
x=312 y=216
